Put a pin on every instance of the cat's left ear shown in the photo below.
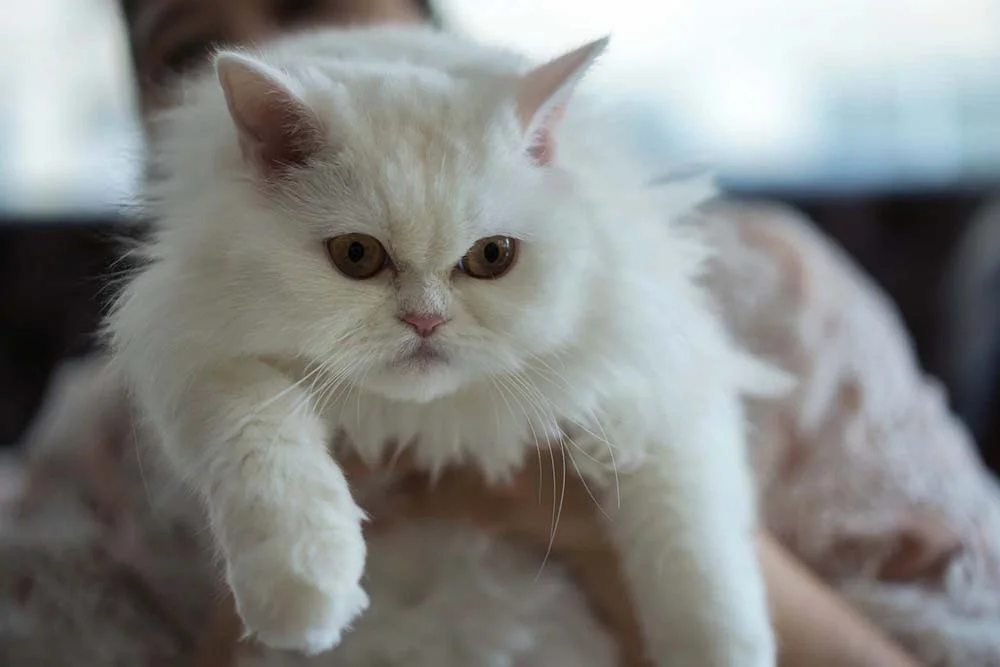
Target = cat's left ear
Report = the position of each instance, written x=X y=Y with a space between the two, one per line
x=543 y=92
x=276 y=128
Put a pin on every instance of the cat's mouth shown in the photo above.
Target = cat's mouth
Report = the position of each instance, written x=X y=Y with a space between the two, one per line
x=422 y=355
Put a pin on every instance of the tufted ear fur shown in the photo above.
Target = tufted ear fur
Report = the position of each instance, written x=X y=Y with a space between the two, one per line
x=276 y=128
x=543 y=93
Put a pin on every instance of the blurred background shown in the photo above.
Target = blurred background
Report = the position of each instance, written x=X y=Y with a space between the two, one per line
x=880 y=119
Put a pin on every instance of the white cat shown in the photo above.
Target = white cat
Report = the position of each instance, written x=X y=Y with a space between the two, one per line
x=398 y=238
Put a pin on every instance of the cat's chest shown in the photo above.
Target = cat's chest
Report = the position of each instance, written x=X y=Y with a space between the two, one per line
x=495 y=432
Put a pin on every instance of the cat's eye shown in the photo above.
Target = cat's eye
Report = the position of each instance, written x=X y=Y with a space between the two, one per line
x=491 y=257
x=357 y=256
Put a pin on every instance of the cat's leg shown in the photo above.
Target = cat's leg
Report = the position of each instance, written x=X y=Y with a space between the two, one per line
x=684 y=529
x=278 y=504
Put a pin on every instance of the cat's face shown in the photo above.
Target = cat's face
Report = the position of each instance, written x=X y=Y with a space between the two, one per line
x=409 y=233
x=443 y=266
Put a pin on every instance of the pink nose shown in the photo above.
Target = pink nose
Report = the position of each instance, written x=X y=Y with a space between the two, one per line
x=424 y=325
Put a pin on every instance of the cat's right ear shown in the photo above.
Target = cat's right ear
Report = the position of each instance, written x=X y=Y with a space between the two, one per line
x=276 y=128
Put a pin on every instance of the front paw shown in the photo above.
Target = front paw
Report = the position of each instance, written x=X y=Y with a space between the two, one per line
x=300 y=596
x=732 y=648
x=757 y=652
x=759 y=656
x=755 y=649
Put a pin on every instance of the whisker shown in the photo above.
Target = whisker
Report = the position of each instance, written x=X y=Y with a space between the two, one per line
x=600 y=438
x=603 y=438
x=138 y=458
x=522 y=389
x=295 y=385
x=562 y=498
x=583 y=479
x=554 y=373
x=308 y=394
x=526 y=389
x=534 y=437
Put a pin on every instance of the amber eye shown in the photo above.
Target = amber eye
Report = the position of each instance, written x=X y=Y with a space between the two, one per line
x=357 y=256
x=490 y=257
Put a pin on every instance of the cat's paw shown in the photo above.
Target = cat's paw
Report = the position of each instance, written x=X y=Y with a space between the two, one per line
x=730 y=648
x=750 y=649
x=300 y=596
x=762 y=656
x=752 y=643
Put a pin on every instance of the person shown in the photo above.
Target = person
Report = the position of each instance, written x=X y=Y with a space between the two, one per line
x=817 y=445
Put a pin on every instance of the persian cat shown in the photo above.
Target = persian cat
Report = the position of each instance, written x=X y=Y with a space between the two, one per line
x=392 y=238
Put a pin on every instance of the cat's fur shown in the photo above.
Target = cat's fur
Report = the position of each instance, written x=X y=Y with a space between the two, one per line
x=249 y=352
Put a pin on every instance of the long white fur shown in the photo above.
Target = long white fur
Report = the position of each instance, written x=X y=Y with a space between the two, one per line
x=249 y=353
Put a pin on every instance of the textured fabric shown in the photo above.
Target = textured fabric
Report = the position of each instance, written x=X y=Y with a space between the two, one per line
x=863 y=473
